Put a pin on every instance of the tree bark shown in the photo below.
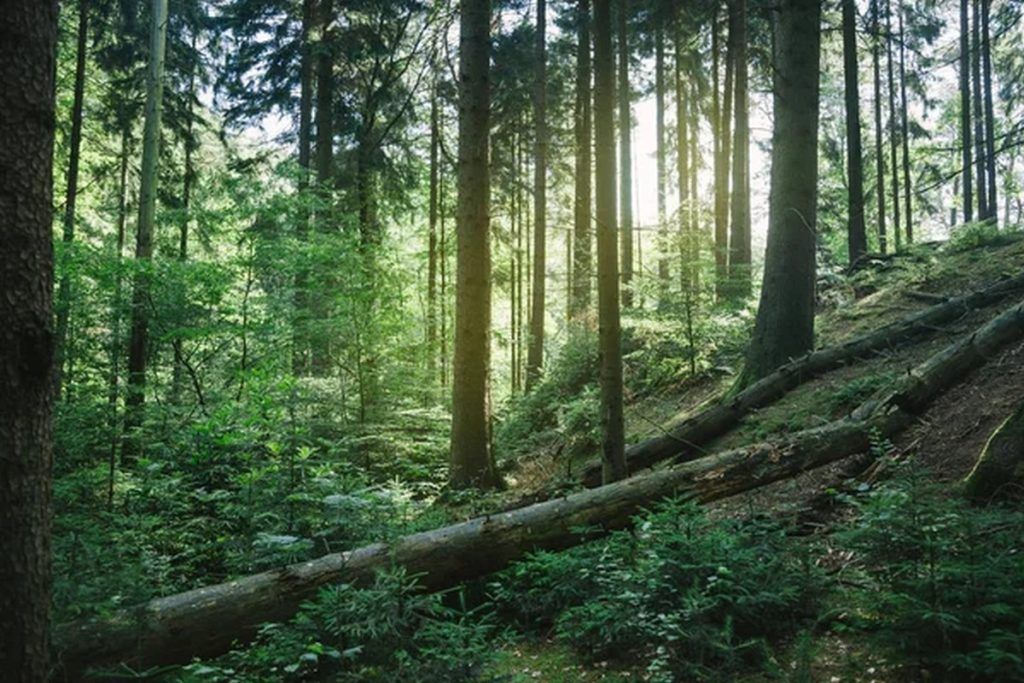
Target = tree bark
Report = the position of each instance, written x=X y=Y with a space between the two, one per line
x=535 y=353
x=893 y=141
x=435 y=132
x=138 y=345
x=785 y=318
x=684 y=228
x=739 y=238
x=71 y=195
x=965 y=113
x=857 y=240
x=626 y=155
x=207 y=621
x=582 y=260
x=905 y=134
x=990 y=139
x=661 y=160
x=1000 y=468
x=28 y=50
x=722 y=183
x=879 y=137
x=300 y=332
x=609 y=334
x=471 y=462
x=319 y=353
x=984 y=211
x=685 y=439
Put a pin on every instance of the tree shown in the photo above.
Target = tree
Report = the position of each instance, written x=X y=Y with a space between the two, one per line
x=739 y=237
x=905 y=133
x=879 y=136
x=857 y=240
x=471 y=462
x=138 y=345
x=625 y=153
x=610 y=342
x=535 y=353
x=28 y=55
x=722 y=163
x=977 y=101
x=785 y=318
x=581 y=266
x=661 y=153
x=990 y=138
x=893 y=142
x=965 y=113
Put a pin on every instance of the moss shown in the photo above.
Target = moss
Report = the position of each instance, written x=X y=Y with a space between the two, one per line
x=1000 y=469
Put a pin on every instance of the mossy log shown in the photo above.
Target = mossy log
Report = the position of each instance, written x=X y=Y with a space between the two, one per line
x=1000 y=468
x=684 y=440
x=208 y=621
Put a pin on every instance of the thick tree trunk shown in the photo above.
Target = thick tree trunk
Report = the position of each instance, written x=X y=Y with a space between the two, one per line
x=535 y=353
x=471 y=462
x=319 y=351
x=582 y=267
x=984 y=211
x=893 y=141
x=609 y=334
x=990 y=138
x=879 y=137
x=785 y=318
x=905 y=134
x=207 y=621
x=965 y=113
x=685 y=439
x=71 y=195
x=138 y=345
x=739 y=237
x=857 y=239
x=626 y=154
x=1000 y=468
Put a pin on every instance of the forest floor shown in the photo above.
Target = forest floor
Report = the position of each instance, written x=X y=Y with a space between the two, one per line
x=945 y=442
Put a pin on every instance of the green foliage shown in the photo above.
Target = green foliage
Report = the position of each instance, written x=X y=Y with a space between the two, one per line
x=943 y=581
x=698 y=599
x=390 y=631
x=980 y=234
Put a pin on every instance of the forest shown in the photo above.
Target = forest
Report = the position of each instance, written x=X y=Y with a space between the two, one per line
x=512 y=340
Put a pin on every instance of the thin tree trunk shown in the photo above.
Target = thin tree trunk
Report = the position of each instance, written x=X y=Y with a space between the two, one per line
x=582 y=261
x=609 y=335
x=905 y=136
x=138 y=346
x=720 y=130
x=739 y=238
x=990 y=144
x=471 y=462
x=300 y=332
x=74 y=157
x=857 y=240
x=661 y=153
x=785 y=317
x=535 y=353
x=115 y=326
x=685 y=236
x=965 y=113
x=28 y=55
x=879 y=137
x=319 y=356
x=722 y=199
x=625 y=94
x=893 y=142
x=435 y=132
x=979 y=115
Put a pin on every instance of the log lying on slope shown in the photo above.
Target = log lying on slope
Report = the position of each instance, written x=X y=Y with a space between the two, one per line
x=683 y=440
x=208 y=621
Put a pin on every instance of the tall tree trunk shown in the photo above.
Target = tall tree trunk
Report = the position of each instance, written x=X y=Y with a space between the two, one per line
x=785 y=318
x=879 y=137
x=435 y=132
x=722 y=175
x=990 y=139
x=612 y=427
x=582 y=261
x=965 y=112
x=661 y=153
x=979 y=115
x=905 y=134
x=27 y=67
x=685 y=237
x=471 y=462
x=71 y=195
x=626 y=154
x=319 y=356
x=138 y=345
x=857 y=239
x=116 y=342
x=535 y=354
x=893 y=142
x=300 y=332
x=739 y=238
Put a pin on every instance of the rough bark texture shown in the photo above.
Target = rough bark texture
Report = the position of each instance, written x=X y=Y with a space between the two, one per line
x=609 y=332
x=535 y=353
x=435 y=133
x=722 y=182
x=206 y=621
x=980 y=178
x=625 y=155
x=28 y=45
x=661 y=154
x=905 y=135
x=990 y=138
x=857 y=239
x=684 y=440
x=785 y=318
x=138 y=344
x=893 y=142
x=1000 y=469
x=471 y=462
x=739 y=237
x=965 y=113
x=319 y=352
x=582 y=267
x=300 y=332
x=879 y=136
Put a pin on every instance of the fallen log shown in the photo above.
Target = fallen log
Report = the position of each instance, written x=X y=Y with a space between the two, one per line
x=683 y=440
x=208 y=621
